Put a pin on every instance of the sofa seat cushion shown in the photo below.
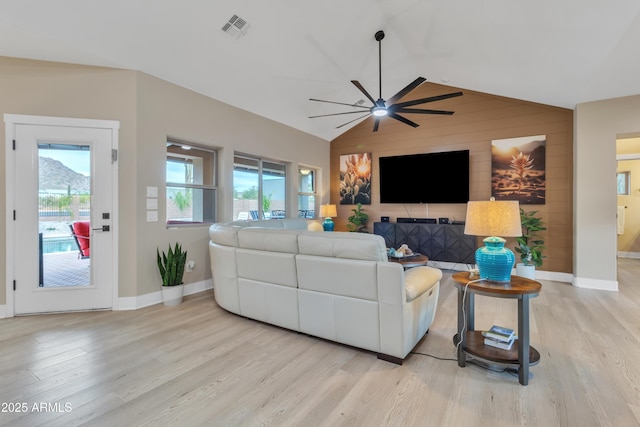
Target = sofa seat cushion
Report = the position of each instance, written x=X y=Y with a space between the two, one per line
x=419 y=280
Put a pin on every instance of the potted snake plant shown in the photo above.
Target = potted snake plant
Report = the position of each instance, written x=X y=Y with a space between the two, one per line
x=171 y=267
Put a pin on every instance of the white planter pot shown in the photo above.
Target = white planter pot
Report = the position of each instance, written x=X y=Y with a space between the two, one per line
x=172 y=295
x=527 y=271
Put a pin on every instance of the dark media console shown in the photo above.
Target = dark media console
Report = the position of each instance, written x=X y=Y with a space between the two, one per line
x=439 y=242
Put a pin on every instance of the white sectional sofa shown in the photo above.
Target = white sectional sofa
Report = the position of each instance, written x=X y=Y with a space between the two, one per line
x=338 y=286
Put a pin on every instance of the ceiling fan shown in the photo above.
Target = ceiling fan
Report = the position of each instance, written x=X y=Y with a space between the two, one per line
x=389 y=107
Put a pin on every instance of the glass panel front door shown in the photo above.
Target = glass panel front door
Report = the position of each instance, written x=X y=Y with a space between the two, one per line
x=64 y=212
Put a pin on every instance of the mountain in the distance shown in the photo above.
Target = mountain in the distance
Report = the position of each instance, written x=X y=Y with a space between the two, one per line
x=56 y=177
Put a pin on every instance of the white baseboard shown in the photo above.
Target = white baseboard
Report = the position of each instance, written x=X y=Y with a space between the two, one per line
x=134 y=303
x=602 y=285
x=554 y=276
x=635 y=255
x=146 y=300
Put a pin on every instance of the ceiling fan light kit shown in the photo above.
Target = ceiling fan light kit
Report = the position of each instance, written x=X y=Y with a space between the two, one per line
x=379 y=111
x=389 y=107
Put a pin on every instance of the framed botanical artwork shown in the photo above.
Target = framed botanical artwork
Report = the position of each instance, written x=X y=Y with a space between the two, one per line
x=355 y=179
x=518 y=169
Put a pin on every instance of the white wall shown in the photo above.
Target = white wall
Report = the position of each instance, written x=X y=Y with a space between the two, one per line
x=149 y=110
x=165 y=109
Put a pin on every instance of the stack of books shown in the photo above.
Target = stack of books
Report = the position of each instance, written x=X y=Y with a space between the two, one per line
x=500 y=337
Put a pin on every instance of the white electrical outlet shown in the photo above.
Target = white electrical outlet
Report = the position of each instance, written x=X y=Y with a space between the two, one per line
x=190 y=265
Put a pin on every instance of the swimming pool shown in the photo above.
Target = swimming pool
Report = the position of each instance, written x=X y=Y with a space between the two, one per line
x=58 y=244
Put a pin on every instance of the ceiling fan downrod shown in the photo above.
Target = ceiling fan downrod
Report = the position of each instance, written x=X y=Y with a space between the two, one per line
x=391 y=108
x=379 y=36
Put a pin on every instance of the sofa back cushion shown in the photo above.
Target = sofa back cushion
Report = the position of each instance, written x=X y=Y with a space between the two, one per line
x=267 y=267
x=268 y=255
x=349 y=278
x=269 y=239
x=361 y=246
x=224 y=234
x=294 y=223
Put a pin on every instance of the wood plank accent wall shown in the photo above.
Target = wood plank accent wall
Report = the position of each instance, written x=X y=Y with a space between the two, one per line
x=479 y=118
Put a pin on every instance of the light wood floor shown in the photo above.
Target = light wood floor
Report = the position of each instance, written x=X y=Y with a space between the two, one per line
x=196 y=364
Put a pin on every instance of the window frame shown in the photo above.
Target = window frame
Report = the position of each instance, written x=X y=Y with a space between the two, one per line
x=260 y=174
x=313 y=193
x=213 y=187
x=623 y=183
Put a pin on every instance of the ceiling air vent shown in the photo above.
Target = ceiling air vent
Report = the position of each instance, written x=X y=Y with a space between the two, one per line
x=236 y=27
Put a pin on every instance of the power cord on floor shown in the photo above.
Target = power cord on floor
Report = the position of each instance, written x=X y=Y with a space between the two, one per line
x=464 y=313
x=435 y=357
x=491 y=368
x=464 y=327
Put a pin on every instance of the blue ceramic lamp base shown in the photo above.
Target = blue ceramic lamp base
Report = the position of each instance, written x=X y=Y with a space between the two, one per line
x=494 y=261
x=328 y=224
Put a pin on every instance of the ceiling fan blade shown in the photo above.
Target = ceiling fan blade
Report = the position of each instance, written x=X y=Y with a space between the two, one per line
x=376 y=124
x=354 y=120
x=363 y=90
x=429 y=99
x=411 y=86
x=421 y=111
x=403 y=120
x=339 y=103
x=337 y=114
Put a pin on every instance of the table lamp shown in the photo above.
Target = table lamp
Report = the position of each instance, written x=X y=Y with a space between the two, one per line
x=328 y=211
x=494 y=218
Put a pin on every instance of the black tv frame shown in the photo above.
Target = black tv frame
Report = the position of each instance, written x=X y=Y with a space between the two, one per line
x=440 y=177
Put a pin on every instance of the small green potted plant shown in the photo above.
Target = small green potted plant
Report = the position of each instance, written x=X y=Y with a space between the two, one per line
x=530 y=244
x=171 y=266
x=358 y=221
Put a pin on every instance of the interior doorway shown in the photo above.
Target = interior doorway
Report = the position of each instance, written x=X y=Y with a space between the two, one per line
x=61 y=186
x=628 y=197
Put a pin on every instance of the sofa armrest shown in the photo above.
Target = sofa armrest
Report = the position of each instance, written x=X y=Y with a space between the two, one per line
x=419 y=280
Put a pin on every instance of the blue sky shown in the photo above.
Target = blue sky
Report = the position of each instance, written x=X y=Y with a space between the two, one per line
x=77 y=161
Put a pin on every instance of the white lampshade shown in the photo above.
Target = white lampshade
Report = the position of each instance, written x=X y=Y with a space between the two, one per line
x=493 y=218
x=328 y=211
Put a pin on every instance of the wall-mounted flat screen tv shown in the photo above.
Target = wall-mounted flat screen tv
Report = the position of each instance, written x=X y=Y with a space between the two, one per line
x=425 y=178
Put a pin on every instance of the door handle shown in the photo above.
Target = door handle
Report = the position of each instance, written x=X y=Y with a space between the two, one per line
x=103 y=228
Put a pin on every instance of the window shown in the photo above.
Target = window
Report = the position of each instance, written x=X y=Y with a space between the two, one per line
x=623 y=183
x=306 y=193
x=259 y=188
x=191 y=184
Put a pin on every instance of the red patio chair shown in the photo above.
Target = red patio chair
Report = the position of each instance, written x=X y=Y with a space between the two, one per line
x=80 y=232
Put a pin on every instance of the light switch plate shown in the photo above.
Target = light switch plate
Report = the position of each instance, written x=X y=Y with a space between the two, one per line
x=152 y=216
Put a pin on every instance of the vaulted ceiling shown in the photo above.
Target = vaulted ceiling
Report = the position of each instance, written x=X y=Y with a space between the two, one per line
x=560 y=53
